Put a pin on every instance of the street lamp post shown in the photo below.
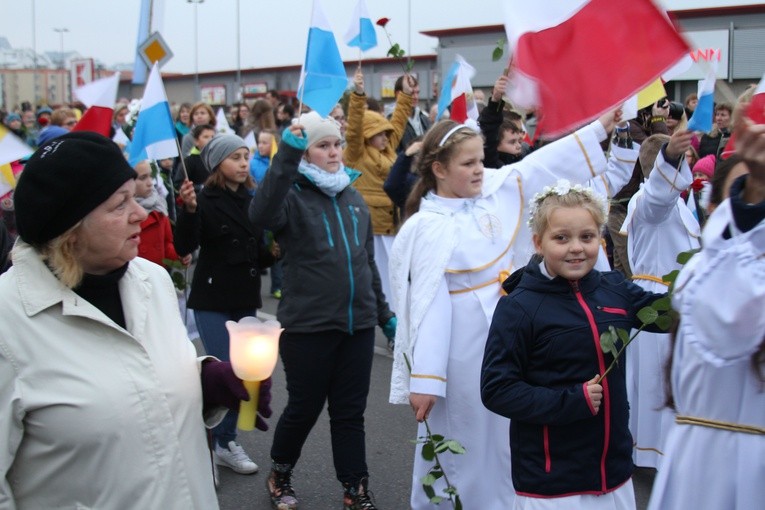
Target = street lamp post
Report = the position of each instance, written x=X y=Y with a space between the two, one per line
x=61 y=32
x=197 y=95
x=62 y=77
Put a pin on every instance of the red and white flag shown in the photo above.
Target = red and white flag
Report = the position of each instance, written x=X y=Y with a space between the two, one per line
x=755 y=111
x=578 y=59
x=457 y=92
x=99 y=96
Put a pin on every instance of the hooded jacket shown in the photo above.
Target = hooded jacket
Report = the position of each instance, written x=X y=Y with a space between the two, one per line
x=374 y=164
x=543 y=347
x=330 y=277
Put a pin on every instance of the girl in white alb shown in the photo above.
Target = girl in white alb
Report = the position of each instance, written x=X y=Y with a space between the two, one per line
x=447 y=264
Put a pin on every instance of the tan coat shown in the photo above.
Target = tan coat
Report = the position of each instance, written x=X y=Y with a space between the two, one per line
x=373 y=164
x=94 y=415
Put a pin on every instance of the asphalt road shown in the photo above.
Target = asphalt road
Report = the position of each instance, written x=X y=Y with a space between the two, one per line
x=390 y=431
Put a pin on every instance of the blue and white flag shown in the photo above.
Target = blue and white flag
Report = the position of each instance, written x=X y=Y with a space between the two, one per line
x=361 y=32
x=702 y=117
x=322 y=79
x=154 y=133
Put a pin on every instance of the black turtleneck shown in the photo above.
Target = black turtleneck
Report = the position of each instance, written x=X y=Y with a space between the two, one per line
x=746 y=216
x=102 y=291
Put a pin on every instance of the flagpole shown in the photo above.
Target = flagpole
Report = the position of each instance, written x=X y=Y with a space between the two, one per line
x=183 y=163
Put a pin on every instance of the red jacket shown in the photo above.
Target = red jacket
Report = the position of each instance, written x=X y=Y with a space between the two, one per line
x=157 y=239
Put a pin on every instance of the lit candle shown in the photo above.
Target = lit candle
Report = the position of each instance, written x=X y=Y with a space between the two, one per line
x=254 y=349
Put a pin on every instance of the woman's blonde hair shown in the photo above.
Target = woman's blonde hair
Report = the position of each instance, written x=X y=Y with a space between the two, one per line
x=59 y=255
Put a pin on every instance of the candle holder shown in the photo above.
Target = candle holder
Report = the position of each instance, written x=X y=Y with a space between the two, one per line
x=254 y=349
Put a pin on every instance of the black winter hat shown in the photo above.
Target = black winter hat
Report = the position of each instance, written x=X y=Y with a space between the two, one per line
x=64 y=180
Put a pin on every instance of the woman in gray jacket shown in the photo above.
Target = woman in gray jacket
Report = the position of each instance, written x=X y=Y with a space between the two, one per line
x=331 y=304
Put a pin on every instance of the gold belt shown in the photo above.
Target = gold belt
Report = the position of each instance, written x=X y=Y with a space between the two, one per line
x=650 y=277
x=501 y=277
x=722 y=425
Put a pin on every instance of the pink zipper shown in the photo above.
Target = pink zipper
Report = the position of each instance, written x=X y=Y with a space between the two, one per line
x=608 y=309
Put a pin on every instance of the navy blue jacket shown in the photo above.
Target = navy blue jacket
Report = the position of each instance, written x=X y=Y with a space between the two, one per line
x=543 y=347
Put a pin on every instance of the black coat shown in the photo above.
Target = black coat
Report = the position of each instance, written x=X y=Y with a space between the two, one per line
x=232 y=250
x=543 y=347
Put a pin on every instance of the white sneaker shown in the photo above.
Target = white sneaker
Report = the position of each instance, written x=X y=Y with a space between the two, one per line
x=234 y=458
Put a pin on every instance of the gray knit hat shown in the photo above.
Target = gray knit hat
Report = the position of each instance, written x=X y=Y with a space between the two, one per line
x=219 y=148
x=317 y=127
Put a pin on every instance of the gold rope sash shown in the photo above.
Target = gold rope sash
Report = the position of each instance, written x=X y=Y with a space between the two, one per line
x=722 y=425
x=651 y=278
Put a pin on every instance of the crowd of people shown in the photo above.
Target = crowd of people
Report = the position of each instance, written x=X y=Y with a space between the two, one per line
x=491 y=257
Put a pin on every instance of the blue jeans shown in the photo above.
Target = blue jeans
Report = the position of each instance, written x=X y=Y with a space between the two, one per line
x=214 y=335
x=277 y=273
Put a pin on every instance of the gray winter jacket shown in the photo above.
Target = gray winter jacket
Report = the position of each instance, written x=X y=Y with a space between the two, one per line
x=331 y=281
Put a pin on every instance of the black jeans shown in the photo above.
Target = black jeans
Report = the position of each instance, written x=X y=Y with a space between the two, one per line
x=326 y=366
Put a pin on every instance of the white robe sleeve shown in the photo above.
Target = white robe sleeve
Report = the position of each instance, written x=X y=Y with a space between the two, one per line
x=11 y=425
x=621 y=163
x=577 y=157
x=661 y=191
x=430 y=357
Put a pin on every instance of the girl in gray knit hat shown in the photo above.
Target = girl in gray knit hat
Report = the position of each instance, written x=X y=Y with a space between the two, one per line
x=226 y=283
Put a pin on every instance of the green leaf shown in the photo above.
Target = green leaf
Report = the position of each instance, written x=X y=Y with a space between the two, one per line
x=393 y=51
x=664 y=322
x=662 y=304
x=441 y=447
x=436 y=500
x=671 y=276
x=409 y=65
x=455 y=447
x=457 y=503
x=497 y=54
x=429 y=492
x=648 y=315
x=607 y=340
x=452 y=491
x=436 y=438
x=623 y=335
x=428 y=452
x=428 y=479
x=685 y=256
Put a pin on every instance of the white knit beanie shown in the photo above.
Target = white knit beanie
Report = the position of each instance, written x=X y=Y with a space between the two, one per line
x=317 y=127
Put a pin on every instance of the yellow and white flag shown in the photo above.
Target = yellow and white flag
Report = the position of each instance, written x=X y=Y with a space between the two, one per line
x=12 y=148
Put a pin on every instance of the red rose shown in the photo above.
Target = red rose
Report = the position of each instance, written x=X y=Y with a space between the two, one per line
x=698 y=185
x=383 y=21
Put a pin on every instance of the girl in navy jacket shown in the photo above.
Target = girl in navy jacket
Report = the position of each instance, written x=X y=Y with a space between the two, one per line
x=569 y=438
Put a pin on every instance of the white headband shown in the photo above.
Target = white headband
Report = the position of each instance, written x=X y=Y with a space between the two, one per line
x=469 y=124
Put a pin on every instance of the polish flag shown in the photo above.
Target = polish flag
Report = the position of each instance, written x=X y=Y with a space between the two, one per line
x=458 y=92
x=99 y=96
x=755 y=111
x=579 y=59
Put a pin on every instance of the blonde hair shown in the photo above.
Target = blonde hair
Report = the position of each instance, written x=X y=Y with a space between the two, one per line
x=551 y=199
x=60 y=255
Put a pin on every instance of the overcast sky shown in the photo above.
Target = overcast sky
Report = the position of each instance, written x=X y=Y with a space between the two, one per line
x=272 y=32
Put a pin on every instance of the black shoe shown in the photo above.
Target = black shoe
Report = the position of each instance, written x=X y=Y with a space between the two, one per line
x=279 y=485
x=357 y=496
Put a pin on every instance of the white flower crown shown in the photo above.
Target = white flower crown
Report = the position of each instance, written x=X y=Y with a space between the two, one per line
x=564 y=187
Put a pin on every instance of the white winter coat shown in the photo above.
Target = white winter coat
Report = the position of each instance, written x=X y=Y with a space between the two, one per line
x=93 y=415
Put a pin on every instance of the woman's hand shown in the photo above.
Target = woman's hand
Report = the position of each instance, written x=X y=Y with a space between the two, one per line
x=413 y=148
x=421 y=404
x=408 y=84
x=358 y=82
x=500 y=86
x=679 y=144
x=186 y=260
x=595 y=393
x=611 y=119
x=189 y=196
x=297 y=130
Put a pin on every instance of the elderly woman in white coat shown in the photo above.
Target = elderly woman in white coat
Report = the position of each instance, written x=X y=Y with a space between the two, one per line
x=101 y=392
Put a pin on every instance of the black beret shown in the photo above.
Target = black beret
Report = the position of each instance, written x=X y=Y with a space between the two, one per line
x=64 y=180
